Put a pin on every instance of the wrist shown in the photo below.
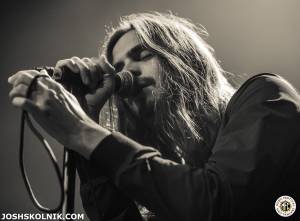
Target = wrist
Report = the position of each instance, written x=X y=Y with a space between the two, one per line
x=90 y=135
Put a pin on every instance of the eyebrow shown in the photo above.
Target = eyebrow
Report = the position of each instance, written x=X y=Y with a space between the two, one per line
x=136 y=49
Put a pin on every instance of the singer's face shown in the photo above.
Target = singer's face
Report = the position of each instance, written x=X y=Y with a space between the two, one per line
x=128 y=54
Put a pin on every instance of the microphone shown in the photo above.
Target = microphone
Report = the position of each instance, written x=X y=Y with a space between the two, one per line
x=124 y=80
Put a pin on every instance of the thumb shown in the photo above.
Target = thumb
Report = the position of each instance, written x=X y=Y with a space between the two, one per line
x=105 y=65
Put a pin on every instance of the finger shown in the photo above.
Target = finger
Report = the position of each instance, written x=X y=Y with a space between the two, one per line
x=94 y=72
x=15 y=76
x=84 y=70
x=105 y=65
x=41 y=79
x=44 y=77
x=47 y=82
x=22 y=78
x=19 y=91
x=26 y=75
x=90 y=64
x=44 y=73
x=95 y=60
x=25 y=104
x=68 y=63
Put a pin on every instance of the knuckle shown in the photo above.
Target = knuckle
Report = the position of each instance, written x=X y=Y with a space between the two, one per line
x=21 y=90
x=44 y=73
x=58 y=63
x=86 y=59
x=72 y=65
x=25 y=77
x=46 y=81
x=75 y=58
x=51 y=93
x=70 y=62
x=22 y=75
x=62 y=62
x=89 y=63
x=33 y=73
x=95 y=59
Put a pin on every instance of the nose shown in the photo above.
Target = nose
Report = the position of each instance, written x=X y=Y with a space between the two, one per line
x=132 y=67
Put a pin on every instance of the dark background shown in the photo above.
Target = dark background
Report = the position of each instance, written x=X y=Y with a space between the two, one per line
x=248 y=36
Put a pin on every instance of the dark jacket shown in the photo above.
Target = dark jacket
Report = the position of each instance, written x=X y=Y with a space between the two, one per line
x=255 y=159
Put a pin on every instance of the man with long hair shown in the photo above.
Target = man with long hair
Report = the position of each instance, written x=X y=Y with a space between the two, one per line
x=184 y=144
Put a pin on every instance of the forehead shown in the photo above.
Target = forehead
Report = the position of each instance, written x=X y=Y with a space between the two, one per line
x=128 y=41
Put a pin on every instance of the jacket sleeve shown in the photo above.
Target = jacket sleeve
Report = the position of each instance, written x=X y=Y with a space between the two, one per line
x=101 y=200
x=257 y=130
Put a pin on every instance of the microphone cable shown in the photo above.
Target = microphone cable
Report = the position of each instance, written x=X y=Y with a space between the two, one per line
x=126 y=86
x=26 y=119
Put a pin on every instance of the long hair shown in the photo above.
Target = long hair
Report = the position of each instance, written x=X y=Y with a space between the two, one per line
x=192 y=92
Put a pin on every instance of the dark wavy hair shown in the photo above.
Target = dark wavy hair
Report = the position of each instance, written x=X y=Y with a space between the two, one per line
x=192 y=91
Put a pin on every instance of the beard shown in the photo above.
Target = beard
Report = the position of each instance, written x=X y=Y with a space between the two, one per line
x=144 y=118
x=137 y=116
x=142 y=106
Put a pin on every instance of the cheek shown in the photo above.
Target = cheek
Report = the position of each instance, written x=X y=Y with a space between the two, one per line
x=151 y=69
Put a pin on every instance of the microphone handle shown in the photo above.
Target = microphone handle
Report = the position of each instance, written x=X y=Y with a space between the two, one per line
x=125 y=83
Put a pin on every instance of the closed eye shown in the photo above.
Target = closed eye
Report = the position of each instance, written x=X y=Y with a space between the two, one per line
x=137 y=53
x=145 y=55
x=140 y=54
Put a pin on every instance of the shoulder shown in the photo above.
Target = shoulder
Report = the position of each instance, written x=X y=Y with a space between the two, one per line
x=264 y=88
x=257 y=145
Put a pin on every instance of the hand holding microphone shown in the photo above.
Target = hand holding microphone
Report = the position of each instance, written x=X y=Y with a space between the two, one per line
x=56 y=109
x=90 y=70
x=96 y=78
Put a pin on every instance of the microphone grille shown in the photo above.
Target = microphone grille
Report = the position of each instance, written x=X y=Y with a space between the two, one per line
x=125 y=82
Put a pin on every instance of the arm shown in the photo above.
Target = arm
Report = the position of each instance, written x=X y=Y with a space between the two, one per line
x=61 y=116
x=100 y=198
x=258 y=127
